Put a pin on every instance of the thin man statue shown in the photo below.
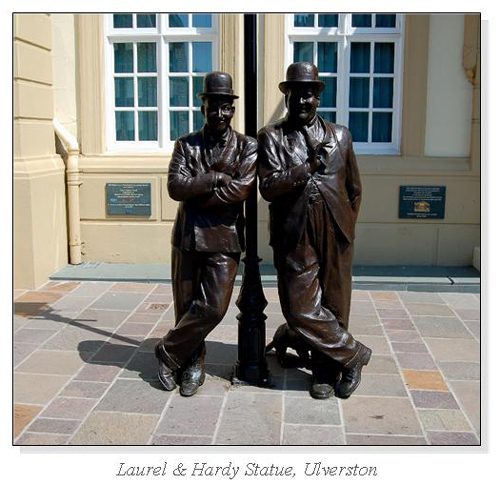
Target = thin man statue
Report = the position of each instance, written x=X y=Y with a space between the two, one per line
x=308 y=171
x=211 y=173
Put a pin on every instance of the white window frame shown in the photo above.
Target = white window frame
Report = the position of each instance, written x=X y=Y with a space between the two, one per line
x=344 y=34
x=162 y=35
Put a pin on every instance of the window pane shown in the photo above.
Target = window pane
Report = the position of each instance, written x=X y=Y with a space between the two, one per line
x=179 y=91
x=382 y=127
x=124 y=125
x=121 y=21
x=202 y=56
x=198 y=120
x=359 y=92
x=124 y=57
x=358 y=125
x=148 y=125
x=387 y=21
x=328 y=115
x=360 y=57
x=328 y=20
x=179 y=124
x=329 y=95
x=178 y=57
x=362 y=20
x=303 y=20
x=147 y=91
x=384 y=57
x=327 y=56
x=146 y=21
x=176 y=20
x=202 y=20
x=382 y=92
x=146 y=57
x=124 y=92
x=303 y=51
x=197 y=88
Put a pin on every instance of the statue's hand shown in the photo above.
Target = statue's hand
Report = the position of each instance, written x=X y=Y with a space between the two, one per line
x=222 y=179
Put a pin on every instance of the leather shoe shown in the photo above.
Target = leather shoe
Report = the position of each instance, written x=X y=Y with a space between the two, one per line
x=323 y=385
x=192 y=378
x=352 y=377
x=166 y=375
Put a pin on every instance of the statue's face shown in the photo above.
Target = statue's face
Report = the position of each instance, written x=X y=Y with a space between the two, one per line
x=218 y=112
x=302 y=103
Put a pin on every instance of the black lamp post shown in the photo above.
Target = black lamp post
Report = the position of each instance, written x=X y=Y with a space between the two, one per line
x=251 y=365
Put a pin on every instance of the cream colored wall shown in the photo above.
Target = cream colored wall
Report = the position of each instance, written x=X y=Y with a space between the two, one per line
x=449 y=98
x=382 y=238
x=64 y=81
x=40 y=245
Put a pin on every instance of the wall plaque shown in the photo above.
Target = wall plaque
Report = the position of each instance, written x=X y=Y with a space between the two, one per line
x=421 y=202
x=128 y=199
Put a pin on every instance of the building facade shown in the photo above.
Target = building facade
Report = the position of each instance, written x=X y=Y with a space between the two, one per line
x=407 y=86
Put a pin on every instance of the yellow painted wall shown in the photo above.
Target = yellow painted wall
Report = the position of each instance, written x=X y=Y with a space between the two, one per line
x=40 y=240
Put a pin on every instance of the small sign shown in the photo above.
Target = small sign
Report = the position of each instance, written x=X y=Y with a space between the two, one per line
x=421 y=202
x=128 y=199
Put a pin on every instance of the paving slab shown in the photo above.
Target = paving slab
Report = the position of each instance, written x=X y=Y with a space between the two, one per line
x=134 y=396
x=416 y=361
x=467 y=394
x=101 y=318
x=118 y=301
x=461 y=370
x=300 y=410
x=43 y=439
x=59 y=362
x=68 y=408
x=115 y=428
x=197 y=415
x=250 y=419
x=86 y=389
x=459 y=350
x=434 y=400
x=380 y=440
x=424 y=380
x=50 y=425
x=36 y=388
x=381 y=385
x=22 y=351
x=174 y=440
x=380 y=415
x=444 y=420
x=33 y=336
x=421 y=297
x=452 y=438
x=444 y=327
x=23 y=415
x=301 y=435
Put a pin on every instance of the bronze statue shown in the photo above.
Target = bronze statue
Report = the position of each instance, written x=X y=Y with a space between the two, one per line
x=211 y=173
x=308 y=171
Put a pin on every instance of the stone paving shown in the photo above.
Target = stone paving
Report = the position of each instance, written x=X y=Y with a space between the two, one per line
x=84 y=374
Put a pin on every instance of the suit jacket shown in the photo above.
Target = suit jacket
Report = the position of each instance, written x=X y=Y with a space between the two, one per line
x=284 y=176
x=209 y=217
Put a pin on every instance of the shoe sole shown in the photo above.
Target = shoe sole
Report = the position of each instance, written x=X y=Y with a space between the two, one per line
x=202 y=380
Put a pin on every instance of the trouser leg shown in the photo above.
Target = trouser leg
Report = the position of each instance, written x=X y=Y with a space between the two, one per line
x=301 y=296
x=208 y=306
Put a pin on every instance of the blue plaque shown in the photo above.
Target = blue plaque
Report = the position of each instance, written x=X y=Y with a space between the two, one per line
x=128 y=199
x=421 y=202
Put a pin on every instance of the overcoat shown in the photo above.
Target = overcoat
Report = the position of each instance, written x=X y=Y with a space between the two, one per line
x=209 y=217
x=283 y=173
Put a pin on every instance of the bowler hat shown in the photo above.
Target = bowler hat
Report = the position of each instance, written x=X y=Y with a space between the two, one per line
x=217 y=83
x=300 y=73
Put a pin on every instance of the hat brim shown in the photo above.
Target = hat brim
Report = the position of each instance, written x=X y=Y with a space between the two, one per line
x=220 y=94
x=286 y=85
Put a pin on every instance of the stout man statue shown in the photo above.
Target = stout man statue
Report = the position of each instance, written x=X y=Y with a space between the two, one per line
x=308 y=172
x=211 y=173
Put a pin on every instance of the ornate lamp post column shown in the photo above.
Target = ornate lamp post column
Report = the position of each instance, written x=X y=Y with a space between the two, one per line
x=251 y=365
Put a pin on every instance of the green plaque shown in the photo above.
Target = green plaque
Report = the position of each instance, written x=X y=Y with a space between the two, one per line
x=128 y=199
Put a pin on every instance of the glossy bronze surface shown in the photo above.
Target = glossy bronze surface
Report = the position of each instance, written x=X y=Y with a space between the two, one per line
x=211 y=173
x=308 y=171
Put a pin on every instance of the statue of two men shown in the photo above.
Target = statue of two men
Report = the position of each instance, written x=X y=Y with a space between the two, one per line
x=308 y=171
